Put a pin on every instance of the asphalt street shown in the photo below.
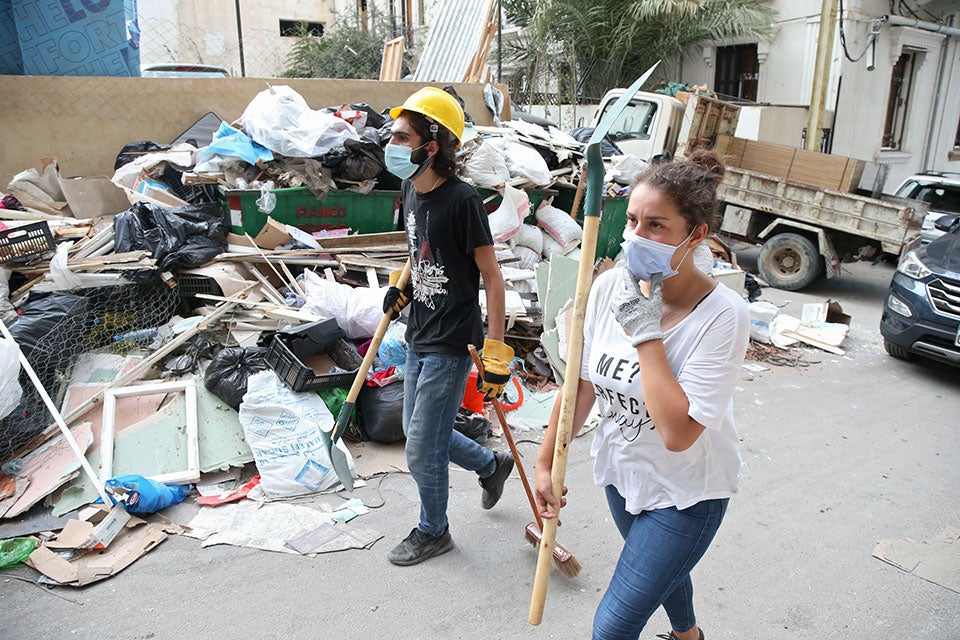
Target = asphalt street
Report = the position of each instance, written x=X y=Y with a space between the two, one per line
x=840 y=453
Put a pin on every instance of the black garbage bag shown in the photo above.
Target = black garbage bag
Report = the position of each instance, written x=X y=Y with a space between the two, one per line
x=177 y=237
x=133 y=150
x=356 y=160
x=48 y=330
x=380 y=412
x=473 y=425
x=607 y=146
x=226 y=375
x=374 y=119
x=466 y=116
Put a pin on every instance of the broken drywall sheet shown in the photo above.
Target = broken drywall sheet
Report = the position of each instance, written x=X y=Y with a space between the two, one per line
x=49 y=467
x=936 y=560
x=222 y=444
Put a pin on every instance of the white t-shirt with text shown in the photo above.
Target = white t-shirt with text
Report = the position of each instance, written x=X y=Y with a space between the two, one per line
x=705 y=351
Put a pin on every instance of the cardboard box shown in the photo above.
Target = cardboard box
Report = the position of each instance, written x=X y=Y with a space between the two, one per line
x=272 y=235
x=96 y=531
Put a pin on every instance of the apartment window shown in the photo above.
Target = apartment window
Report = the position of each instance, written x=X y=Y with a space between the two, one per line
x=737 y=71
x=296 y=28
x=901 y=80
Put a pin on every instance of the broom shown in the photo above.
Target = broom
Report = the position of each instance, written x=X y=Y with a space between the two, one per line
x=562 y=558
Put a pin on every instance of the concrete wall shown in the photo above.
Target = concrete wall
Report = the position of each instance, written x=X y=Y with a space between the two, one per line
x=85 y=122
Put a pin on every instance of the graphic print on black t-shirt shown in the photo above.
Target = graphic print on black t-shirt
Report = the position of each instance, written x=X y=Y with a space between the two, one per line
x=427 y=271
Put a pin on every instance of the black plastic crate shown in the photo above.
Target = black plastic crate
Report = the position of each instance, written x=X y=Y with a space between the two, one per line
x=300 y=375
x=190 y=284
x=23 y=243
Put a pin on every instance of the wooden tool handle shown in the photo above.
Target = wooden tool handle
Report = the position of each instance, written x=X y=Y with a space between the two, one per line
x=568 y=401
x=509 y=437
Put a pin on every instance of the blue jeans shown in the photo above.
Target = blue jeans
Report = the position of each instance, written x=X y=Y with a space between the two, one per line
x=660 y=549
x=432 y=393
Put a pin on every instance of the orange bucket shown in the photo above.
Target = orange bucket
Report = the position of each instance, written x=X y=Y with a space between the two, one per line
x=472 y=399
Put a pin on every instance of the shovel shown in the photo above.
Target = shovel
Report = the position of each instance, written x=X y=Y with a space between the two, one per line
x=588 y=247
x=337 y=457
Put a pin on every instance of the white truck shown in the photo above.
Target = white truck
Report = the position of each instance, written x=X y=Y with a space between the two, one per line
x=803 y=230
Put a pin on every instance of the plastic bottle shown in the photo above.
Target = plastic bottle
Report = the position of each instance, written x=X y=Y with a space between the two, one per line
x=138 y=335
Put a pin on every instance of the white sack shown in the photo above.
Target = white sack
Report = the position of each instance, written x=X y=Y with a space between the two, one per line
x=283 y=429
x=530 y=236
x=528 y=257
x=506 y=221
x=358 y=310
x=486 y=168
x=523 y=161
x=552 y=247
x=279 y=119
x=762 y=314
x=559 y=225
x=10 y=391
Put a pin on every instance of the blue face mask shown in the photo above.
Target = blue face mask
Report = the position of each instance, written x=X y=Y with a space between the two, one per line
x=647 y=257
x=397 y=159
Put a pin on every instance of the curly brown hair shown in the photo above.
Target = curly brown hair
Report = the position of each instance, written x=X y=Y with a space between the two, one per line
x=445 y=162
x=691 y=183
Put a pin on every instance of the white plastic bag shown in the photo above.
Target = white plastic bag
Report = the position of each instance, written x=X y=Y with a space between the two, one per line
x=10 y=390
x=623 y=169
x=63 y=278
x=486 y=168
x=283 y=429
x=267 y=201
x=358 y=310
x=279 y=119
x=505 y=222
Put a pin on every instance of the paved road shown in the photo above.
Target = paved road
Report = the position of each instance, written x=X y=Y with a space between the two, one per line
x=840 y=454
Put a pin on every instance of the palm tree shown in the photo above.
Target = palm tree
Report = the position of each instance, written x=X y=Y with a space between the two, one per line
x=584 y=47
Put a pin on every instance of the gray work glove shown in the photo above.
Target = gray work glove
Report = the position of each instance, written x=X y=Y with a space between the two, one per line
x=639 y=315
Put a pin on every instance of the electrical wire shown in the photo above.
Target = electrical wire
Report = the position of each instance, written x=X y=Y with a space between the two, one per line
x=843 y=40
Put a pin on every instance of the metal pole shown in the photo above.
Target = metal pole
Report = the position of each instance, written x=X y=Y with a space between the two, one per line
x=499 y=41
x=821 y=75
x=243 y=68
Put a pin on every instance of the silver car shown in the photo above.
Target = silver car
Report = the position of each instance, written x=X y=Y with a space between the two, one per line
x=941 y=191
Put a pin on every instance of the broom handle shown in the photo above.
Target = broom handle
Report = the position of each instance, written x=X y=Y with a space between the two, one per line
x=371 y=353
x=509 y=437
x=568 y=402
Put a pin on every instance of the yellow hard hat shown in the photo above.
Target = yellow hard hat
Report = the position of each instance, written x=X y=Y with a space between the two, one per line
x=438 y=105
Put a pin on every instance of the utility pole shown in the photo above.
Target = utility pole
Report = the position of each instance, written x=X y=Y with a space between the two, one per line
x=821 y=75
x=243 y=68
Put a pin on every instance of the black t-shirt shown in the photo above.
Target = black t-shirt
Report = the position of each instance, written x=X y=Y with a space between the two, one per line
x=443 y=227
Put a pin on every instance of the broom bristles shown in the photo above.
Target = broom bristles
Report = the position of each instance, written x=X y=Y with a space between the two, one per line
x=563 y=560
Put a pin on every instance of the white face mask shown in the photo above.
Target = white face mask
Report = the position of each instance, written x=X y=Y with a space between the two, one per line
x=647 y=257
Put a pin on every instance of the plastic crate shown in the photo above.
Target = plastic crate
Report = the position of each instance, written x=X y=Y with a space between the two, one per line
x=26 y=242
x=374 y=212
x=300 y=376
x=191 y=284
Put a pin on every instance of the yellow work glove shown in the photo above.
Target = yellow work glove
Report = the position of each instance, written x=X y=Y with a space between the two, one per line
x=395 y=300
x=496 y=369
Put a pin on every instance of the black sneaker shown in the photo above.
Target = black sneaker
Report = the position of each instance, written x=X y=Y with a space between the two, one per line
x=493 y=486
x=673 y=636
x=420 y=546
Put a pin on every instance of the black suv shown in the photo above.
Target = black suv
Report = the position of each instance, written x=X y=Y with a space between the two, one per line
x=921 y=314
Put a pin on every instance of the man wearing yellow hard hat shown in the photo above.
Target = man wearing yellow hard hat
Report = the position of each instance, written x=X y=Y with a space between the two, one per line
x=451 y=248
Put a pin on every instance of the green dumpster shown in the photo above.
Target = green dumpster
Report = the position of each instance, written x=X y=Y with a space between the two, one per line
x=613 y=220
x=374 y=212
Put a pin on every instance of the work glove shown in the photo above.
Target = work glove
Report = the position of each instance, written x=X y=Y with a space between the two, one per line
x=639 y=315
x=395 y=300
x=496 y=369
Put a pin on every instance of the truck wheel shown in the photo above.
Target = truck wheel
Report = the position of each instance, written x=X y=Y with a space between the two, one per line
x=789 y=261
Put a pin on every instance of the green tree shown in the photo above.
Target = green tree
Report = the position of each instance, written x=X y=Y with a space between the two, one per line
x=584 y=47
x=346 y=52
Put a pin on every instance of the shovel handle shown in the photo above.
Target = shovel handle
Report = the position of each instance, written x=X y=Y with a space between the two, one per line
x=509 y=438
x=368 y=357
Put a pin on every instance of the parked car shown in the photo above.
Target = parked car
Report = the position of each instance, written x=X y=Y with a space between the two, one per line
x=182 y=70
x=921 y=315
x=941 y=191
